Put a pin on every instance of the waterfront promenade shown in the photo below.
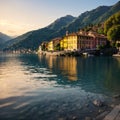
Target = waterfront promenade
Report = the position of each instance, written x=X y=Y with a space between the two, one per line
x=114 y=114
x=68 y=53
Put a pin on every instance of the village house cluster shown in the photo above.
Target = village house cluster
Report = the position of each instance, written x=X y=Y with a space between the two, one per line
x=75 y=42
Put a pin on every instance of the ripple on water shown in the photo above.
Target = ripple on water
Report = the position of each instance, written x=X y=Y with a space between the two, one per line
x=54 y=87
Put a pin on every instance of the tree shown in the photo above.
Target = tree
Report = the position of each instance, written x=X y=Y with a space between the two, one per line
x=114 y=33
x=100 y=30
x=118 y=45
x=112 y=21
x=57 y=47
x=112 y=28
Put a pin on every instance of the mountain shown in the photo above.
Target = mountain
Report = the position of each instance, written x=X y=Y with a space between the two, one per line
x=113 y=9
x=61 y=22
x=33 y=39
x=89 y=17
x=4 y=38
x=94 y=16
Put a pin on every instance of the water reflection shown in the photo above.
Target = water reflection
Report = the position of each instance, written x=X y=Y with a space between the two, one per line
x=11 y=73
x=67 y=66
x=112 y=78
x=91 y=74
x=48 y=87
x=18 y=76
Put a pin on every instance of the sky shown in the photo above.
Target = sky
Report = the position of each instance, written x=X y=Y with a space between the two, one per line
x=20 y=16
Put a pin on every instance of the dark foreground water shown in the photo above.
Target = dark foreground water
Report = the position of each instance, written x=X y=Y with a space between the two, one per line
x=55 y=88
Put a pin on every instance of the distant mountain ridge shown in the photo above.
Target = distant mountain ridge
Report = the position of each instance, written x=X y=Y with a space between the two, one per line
x=33 y=39
x=89 y=17
x=61 y=22
x=4 y=38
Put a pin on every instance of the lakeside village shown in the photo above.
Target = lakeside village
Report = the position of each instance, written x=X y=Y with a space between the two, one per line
x=77 y=44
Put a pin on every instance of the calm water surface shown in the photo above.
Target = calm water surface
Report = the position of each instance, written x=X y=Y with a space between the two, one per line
x=36 y=87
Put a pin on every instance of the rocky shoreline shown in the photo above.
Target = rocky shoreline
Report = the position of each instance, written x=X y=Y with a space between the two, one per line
x=104 y=109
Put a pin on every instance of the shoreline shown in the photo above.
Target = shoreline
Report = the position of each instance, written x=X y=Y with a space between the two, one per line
x=110 y=112
x=69 y=53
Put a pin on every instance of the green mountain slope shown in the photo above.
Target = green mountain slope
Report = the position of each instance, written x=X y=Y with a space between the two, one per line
x=89 y=17
x=113 y=9
x=33 y=39
x=95 y=16
x=61 y=22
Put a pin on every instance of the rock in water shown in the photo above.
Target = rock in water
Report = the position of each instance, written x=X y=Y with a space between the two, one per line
x=74 y=118
x=98 y=103
x=116 y=96
x=88 y=118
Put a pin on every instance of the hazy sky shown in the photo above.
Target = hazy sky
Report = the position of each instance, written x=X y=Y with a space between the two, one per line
x=20 y=16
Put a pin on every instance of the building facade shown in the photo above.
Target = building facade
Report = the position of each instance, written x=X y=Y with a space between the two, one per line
x=82 y=40
x=75 y=42
x=50 y=46
x=54 y=44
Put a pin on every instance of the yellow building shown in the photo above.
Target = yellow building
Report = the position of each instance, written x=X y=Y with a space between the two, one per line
x=69 y=42
x=82 y=40
x=77 y=41
x=50 y=46
x=62 y=44
x=72 y=41
x=54 y=44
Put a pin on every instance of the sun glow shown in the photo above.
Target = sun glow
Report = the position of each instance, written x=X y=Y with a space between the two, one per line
x=20 y=16
x=14 y=28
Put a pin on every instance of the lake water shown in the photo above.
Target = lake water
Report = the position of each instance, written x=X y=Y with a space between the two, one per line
x=36 y=87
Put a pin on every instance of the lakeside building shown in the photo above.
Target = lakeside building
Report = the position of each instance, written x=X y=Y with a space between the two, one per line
x=82 y=40
x=76 y=41
x=43 y=46
x=50 y=46
x=54 y=44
